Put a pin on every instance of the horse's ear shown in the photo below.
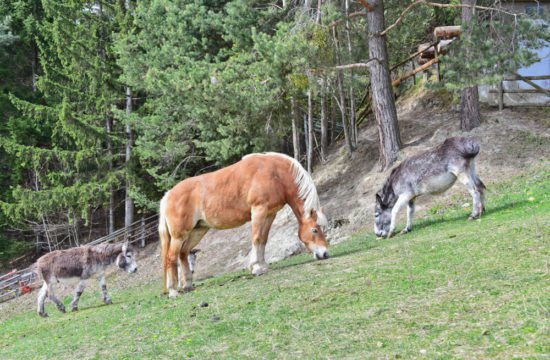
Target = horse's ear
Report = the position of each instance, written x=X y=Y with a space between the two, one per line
x=312 y=213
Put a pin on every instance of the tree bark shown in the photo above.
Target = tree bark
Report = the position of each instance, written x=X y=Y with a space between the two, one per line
x=470 y=116
x=309 y=132
x=382 y=93
x=295 y=130
x=324 y=122
x=342 y=104
x=128 y=201
x=111 y=211
x=469 y=109
x=352 y=120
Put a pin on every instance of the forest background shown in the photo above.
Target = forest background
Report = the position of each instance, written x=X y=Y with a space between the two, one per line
x=104 y=105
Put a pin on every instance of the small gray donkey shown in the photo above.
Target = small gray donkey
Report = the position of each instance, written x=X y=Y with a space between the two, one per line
x=431 y=172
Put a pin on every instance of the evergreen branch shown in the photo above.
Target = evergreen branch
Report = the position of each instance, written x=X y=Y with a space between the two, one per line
x=438 y=5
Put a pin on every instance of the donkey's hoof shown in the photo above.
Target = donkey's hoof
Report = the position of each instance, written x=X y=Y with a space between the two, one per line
x=258 y=269
x=62 y=309
x=43 y=314
x=75 y=308
x=406 y=231
x=108 y=301
x=390 y=235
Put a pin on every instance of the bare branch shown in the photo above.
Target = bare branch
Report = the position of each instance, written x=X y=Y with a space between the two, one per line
x=438 y=5
x=352 y=15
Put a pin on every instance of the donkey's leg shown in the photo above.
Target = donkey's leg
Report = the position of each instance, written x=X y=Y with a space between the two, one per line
x=469 y=181
x=195 y=236
x=78 y=292
x=41 y=297
x=103 y=286
x=261 y=224
x=53 y=298
x=410 y=213
x=480 y=187
x=401 y=201
x=172 y=263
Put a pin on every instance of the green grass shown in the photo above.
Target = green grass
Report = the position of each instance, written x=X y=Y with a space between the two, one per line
x=450 y=289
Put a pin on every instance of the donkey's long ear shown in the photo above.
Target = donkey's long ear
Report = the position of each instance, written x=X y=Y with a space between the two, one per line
x=378 y=199
x=125 y=247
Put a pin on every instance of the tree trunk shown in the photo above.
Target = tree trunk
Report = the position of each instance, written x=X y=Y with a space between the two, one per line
x=111 y=211
x=470 y=116
x=309 y=132
x=469 y=109
x=352 y=120
x=128 y=202
x=382 y=94
x=342 y=103
x=324 y=122
x=295 y=129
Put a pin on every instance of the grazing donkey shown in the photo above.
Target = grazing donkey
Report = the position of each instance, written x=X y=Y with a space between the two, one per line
x=431 y=172
x=192 y=258
x=81 y=262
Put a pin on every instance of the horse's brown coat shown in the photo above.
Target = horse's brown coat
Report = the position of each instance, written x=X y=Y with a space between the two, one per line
x=254 y=189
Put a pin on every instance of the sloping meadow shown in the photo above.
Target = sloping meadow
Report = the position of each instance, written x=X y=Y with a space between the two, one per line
x=451 y=288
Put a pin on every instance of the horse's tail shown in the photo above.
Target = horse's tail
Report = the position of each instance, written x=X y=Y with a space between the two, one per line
x=164 y=235
x=467 y=147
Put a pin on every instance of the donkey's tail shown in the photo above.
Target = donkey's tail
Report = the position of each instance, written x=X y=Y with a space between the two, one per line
x=468 y=147
x=164 y=235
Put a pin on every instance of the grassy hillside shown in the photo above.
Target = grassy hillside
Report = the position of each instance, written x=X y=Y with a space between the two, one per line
x=450 y=289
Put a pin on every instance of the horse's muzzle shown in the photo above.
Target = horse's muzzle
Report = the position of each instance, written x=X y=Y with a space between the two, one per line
x=321 y=254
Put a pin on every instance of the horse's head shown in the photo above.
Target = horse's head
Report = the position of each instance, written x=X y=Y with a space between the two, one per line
x=382 y=217
x=312 y=235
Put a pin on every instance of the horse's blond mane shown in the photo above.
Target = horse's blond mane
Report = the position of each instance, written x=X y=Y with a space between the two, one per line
x=306 y=187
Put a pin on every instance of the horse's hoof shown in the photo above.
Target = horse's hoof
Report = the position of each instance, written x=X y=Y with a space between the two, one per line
x=259 y=269
x=172 y=294
x=187 y=289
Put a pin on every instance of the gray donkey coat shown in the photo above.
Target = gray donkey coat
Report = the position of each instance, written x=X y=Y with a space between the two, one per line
x=82 y=263
x=430 y=172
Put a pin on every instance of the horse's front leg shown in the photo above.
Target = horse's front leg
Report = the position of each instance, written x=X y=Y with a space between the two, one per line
x=172 y=265
x=401 y=201
x=261 y=224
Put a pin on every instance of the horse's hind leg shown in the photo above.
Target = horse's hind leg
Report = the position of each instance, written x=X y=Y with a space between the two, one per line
x=475 y=188
x=195 y=236
x=174 y=250
x=410 y=213
x=41 y=297
x=261 y=224
x=78 y=292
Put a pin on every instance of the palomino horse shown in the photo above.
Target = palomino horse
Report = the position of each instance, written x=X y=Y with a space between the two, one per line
x=253 y=189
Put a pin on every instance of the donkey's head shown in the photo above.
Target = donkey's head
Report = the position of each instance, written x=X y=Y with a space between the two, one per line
x=382 y=215
x=193 y=259
x=312 y=235
x=126 y=260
